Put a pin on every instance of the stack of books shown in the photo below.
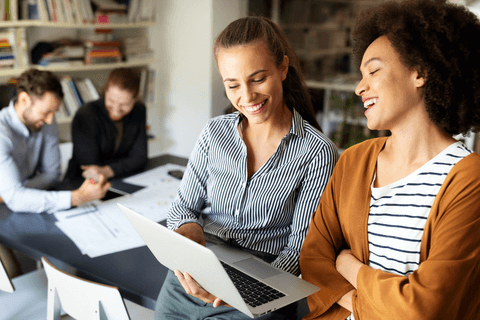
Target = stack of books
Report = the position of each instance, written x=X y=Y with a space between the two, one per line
x=103 y=52
x=13 y=50
x=64 y=56
x=7 y=57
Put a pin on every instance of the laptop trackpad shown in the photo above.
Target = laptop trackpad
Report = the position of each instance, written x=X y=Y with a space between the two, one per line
x=256 y=268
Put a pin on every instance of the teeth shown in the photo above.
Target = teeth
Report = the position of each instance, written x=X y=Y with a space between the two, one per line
x=369 y=102
x=255 y=107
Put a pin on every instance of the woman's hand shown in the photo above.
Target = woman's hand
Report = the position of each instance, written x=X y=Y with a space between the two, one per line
x=348 y=266
x=192 y=231
x=94 y=171
x=193 y=288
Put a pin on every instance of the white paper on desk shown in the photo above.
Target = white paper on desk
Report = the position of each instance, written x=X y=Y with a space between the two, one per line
x=100 y=229
x=160 y=190
x=154 y=176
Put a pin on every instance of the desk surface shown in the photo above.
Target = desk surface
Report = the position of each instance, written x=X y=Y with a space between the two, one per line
x=136 y=272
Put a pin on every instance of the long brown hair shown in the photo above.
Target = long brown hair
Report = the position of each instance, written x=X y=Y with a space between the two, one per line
x=250 y=29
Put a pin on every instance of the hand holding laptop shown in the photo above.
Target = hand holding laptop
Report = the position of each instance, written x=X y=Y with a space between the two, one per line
x=194 y=289
x=194 y=232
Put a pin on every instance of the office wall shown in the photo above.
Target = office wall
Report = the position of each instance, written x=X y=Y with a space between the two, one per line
x=188 y=88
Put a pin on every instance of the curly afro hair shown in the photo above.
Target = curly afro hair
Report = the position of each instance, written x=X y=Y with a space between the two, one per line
x=443 y=41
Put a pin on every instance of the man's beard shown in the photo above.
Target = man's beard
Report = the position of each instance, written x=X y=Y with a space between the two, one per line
x=29 y=124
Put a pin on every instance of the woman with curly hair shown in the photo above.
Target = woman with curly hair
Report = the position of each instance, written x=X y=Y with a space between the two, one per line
x=396 y=233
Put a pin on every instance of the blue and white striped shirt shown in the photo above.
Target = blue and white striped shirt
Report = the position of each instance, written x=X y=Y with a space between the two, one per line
x=268 y=212
x=398 y=213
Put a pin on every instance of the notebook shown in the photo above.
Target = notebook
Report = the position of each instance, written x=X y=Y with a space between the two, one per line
x=217 y=267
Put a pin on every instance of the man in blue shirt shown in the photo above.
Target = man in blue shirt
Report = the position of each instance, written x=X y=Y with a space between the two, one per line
x=29 y=152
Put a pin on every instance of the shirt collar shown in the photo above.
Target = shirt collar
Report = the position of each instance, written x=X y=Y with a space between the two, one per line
x=15 y=123
x=297 y=128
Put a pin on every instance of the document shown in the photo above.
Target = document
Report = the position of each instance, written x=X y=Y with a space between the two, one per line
x=98 y=228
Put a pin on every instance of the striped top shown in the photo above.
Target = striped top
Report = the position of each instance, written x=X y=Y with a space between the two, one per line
x=268 y=212
x=398 y=213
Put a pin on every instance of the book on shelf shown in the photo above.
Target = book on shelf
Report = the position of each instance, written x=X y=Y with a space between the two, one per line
x=77 y=92
x=13 y=48
x=28 y=10
x=8 y=10
x=103 y=52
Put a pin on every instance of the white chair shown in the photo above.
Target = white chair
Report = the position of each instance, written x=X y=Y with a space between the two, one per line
x=23 y=297
x=82 y=299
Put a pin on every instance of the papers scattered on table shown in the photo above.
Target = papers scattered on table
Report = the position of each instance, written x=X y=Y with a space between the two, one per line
x=99 y=228
x=160 y=190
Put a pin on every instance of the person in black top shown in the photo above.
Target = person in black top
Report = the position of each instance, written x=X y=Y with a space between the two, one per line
x=109 y=135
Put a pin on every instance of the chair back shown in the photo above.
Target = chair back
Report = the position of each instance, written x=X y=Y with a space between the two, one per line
x=5 y=283
x=81 y=299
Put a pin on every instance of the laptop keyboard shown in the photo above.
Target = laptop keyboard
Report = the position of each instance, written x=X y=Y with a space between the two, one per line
x=254 y=292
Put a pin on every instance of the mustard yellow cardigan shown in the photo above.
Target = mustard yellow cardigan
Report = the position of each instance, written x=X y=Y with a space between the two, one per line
x=447 y=283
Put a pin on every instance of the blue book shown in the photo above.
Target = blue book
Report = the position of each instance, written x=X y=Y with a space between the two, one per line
x=33 y=12
x=75 y=91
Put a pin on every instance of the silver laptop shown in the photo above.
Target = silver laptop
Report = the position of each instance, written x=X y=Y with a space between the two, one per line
x=217 y=267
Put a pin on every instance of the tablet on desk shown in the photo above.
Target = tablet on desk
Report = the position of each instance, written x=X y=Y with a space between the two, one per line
x=113 y=194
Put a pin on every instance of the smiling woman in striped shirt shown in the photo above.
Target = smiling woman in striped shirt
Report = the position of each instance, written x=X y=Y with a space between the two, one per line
x=255 y=176
x=397 y=231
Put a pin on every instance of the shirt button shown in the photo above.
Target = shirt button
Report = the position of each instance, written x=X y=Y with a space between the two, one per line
x=244 y=184
x=237 y=212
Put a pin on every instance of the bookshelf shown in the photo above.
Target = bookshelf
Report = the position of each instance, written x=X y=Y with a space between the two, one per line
x=49 y=31
x=56 y=69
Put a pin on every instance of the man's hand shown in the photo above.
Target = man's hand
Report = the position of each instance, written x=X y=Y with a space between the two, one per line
x=1 y=200
x=90 y=190
x=94 y=171
x=192 y=288
x=192 y=231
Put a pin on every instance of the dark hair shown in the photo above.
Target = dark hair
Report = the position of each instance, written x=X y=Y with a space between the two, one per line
x=126 y=79
x=439 y=39
x=251 y=29
x=36 y=82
